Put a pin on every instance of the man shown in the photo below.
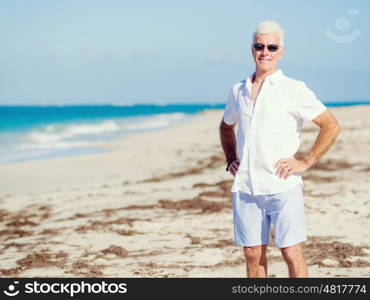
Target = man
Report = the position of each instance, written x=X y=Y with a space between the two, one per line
x=270 y=109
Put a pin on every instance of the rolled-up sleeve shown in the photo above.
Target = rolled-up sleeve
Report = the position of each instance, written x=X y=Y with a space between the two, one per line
x=230 y=113
x=307 y=106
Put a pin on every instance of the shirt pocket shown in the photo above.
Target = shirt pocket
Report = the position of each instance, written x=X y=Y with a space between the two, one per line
x=272 y=120
x=276 y=117
x=280 y=131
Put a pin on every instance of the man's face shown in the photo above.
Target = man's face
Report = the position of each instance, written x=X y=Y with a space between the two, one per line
x=266 y=60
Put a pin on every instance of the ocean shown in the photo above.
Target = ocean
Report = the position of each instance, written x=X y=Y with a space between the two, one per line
x=37 y=132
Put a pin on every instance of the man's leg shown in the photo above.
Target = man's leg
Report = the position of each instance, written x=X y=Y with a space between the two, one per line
x=293 y=256
x=256 y=261
x=287 y=213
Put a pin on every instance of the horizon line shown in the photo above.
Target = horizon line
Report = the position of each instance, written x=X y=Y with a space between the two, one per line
x=157 y=103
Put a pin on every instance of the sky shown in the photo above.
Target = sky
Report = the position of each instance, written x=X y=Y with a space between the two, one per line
x=115 y=51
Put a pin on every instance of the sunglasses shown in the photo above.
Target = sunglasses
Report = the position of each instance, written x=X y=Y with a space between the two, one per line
x=260 y=47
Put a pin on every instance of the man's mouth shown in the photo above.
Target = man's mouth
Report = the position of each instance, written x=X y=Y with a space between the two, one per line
x=264 y=59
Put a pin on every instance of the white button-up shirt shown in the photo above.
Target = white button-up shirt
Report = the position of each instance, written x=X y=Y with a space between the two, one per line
x=269 y=130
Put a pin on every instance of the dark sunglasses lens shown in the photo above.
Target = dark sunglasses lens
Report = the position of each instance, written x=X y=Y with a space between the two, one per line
x=272 y=48
x=258 y=47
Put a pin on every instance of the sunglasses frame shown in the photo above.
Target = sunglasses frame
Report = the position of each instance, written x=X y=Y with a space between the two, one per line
x=274 y=49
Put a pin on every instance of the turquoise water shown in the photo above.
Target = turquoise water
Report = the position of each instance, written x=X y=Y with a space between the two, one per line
x=26 y=117
x=349 y=103
x=36 y=132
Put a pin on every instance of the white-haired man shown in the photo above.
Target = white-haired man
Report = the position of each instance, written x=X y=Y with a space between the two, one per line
x=270 y=109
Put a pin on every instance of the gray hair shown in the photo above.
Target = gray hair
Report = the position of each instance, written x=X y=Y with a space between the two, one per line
x=266 y=27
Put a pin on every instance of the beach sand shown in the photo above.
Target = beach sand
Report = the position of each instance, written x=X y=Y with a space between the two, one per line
x=158 y=204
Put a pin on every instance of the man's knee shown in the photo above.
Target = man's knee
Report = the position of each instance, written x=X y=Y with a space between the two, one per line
x=253 y=253
x=292 y=254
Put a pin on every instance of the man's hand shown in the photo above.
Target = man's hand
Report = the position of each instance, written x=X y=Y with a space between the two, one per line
x=233 y=168
x=288 y=166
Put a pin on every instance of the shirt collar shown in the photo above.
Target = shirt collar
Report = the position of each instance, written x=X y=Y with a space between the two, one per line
x=272 y=78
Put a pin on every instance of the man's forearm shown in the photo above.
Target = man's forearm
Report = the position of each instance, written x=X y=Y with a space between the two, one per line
x=228 y=141
x=324 y=141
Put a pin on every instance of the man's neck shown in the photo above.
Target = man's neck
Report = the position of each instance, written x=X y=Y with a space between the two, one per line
x=259 y=76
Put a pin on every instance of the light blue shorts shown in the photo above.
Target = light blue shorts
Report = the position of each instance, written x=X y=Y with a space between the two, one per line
x=253 y=216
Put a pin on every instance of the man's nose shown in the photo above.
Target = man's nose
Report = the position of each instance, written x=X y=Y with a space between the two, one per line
x=265 y=51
